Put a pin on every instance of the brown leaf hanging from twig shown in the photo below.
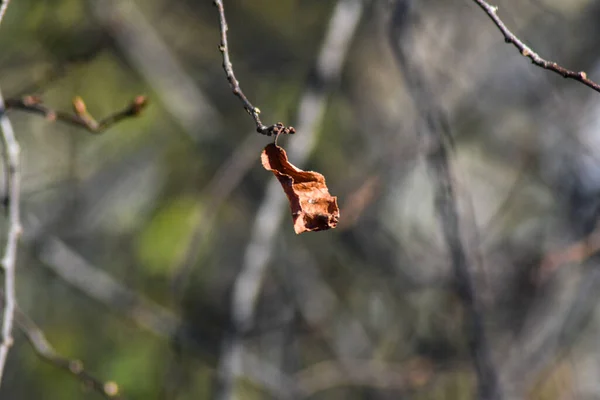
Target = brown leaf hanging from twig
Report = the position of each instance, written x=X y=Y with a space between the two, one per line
x=313 y=208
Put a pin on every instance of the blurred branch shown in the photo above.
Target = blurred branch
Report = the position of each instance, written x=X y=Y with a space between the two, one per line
x=9 y=260
x=505 y=204
x=280 y=385
x=254 y=112
x=342 y=27
x=526 y=51
x=154 y=59
x=434 y=132
x=359 y=200
x=575 y=253
x=555 y=321
x=81 y=118
x=3 y=7
x=321 y=308
x=226 y=179
x=330 y=374
x=46 y=352
x=102 y=287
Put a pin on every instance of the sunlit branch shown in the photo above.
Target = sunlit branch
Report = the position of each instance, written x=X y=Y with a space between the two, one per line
x=526 y=51
x=81 y=117
x=3 y=7
x=9 y=259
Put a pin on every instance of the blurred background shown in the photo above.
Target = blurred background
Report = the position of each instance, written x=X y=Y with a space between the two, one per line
x=162 y=255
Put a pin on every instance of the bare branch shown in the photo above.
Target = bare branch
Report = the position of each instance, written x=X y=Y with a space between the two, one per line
x=81 y=117
x=254 y=112
x=9 y=260
x=12 y=151
x=526 y=51
x=46 y=352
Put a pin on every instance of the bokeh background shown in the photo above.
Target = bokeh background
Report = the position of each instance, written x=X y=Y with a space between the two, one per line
x=162 y=255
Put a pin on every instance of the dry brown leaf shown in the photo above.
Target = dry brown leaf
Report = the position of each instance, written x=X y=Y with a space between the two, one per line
x=313 y=208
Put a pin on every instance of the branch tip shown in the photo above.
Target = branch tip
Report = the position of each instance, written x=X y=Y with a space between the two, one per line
x=79 y=106
x=536 y=59
x=80 y=117
x=276 y=129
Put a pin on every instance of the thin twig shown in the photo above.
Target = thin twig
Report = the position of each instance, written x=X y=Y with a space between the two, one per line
x=81 y=118
x=526 y=51
x=46 y=352
x=254 y=112
x=9 y=260
x=3 y=8
x=434 y=131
